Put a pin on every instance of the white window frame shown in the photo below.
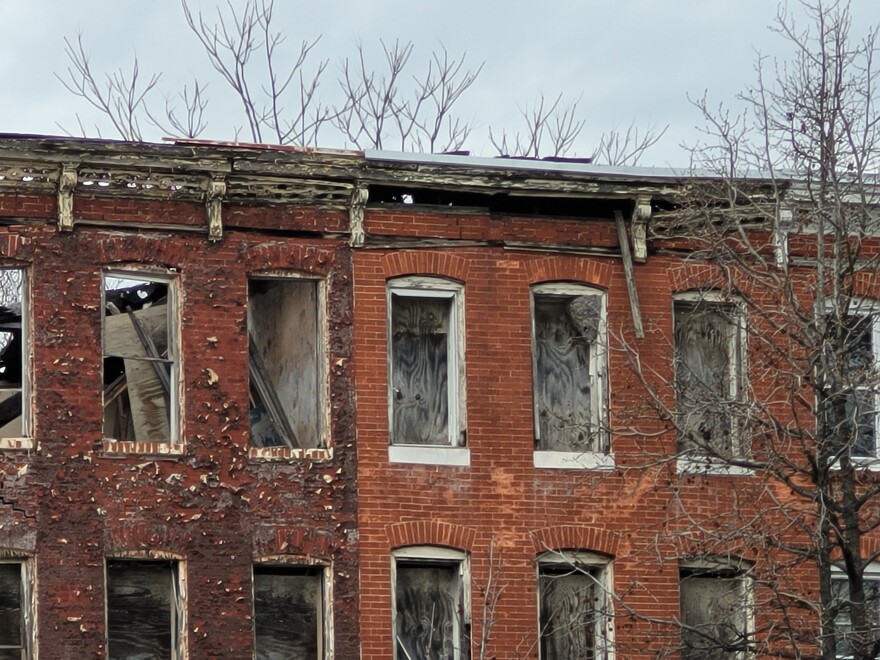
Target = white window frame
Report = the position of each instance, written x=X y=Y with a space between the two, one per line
x=323 y=450
x=325 y=612
x=25 y=439
x=599 y=389
x=871 y=573
x=694 y=461
x=599 y=569
x=863 y=308
x=28 y=604
x=442 y=557
x=178 y=594
x=175 y=396
x=722 y=569
x=455 y=451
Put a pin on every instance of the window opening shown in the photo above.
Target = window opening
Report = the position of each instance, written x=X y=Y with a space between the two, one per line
x=432 y=620
x=144 y=609
x=288 y=612
x=14 y=609
x=841 y=602
x=426 y=385
x=715 y=606
x=140 y=359
x=708 y=362
x=285 y=349
x=569 y=368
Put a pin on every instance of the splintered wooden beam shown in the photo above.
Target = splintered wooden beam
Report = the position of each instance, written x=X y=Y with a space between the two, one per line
x=260 y=378
x=630 y=275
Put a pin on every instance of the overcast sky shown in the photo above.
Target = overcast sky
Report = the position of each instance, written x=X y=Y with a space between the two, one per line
x=624 y=59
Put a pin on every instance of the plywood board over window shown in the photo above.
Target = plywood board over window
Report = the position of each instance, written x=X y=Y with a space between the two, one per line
x=716 y=611
x=426 y=363
x=286 y=351
x=569 y=358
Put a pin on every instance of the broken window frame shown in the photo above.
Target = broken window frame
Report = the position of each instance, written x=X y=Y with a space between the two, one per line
x=703 y=456
x=322 y=384
x=427 y=288
x=839 y=583
x=599 y=443
x=428 y=557
x=177 y=597
x=170 y=280
x=594 y=567
x=721 y=571
x=323 y=609
x=27 y=604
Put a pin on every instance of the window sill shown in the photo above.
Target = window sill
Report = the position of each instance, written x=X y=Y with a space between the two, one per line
x=16 y=443
x=149 y=447
x=870 y=463
x=429 y=455
x=573 y=460
x=709 y=466
x=290 y=453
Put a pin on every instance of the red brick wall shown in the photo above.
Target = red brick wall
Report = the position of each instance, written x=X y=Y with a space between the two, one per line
x=71 y=505
x=501 y=498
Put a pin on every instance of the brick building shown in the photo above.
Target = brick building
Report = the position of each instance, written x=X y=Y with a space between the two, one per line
x=329 y=404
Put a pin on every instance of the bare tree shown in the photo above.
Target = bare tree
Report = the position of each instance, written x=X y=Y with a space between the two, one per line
x=776 y=350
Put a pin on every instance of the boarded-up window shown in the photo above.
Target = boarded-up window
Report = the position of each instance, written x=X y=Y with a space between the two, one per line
x=13 y=354
x=843 y=620
x=708 y=359
x=288 y=613
x=574 y=610
x=144 y=610
x=568 y=368
x=424 y=365
x=13 y=606
x=140 y=359
x=286 y=378
x=431 y=618
x=714 y=614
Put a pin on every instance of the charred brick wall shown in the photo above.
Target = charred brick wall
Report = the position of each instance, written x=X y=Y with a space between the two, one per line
x=69 y=504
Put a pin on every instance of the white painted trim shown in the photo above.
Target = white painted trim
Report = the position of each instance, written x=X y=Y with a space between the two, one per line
x=571 y=460
x=429 y=455
x=710 y=466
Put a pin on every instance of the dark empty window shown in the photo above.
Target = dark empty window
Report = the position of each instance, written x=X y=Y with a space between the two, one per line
x=288 y=613
x=842 y=601
x=13 y=611
x=13 y=354
x=285 y=348
x=708 y=359
x=568 y=368
x=140 y=359
x=144 y=610
x=425 y=382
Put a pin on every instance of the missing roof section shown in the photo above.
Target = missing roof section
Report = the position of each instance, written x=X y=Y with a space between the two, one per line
x=498 y=203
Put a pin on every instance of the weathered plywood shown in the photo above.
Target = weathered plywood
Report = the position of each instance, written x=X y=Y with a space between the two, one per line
x=428 y=601
x=287 y=614
x=284 y=324
x=714 y=614
x=140 y=619
x=420 y=335
x=565 y=329
x=568 y=614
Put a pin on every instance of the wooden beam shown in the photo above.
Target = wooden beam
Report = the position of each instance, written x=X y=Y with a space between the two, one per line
x=630 y=275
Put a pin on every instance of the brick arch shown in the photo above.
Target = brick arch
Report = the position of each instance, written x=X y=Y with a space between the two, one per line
x=866 y=285
x=423 y=262
x=431 y=532
x=577 y=269
x=697 y=276
x=302 y=258
x=140 y=250
x=575 y=537
x=10 y=244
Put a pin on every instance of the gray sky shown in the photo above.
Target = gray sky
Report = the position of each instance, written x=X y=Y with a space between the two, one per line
x=625 y=59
